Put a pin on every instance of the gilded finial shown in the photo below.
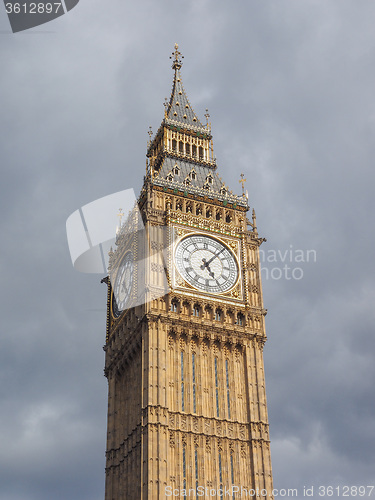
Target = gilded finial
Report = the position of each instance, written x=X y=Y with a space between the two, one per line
x=150 y=135
x=254 y=222
x=165 y=104
x=207 y=115
x=208 y=124
x=242 y=181
x=120 y=215
x=177 y=58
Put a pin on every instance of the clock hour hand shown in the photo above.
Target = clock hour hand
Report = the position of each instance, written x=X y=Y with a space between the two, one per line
x=207 y=265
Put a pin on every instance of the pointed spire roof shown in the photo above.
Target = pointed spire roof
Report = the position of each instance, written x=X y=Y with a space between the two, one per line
x=178 y=109
x=181 y=153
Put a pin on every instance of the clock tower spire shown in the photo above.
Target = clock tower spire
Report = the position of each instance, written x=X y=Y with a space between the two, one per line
x=187 y=402
x=181 y=153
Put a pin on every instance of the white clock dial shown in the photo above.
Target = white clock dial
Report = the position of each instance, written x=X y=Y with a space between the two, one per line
x=123 y=285
x=206 y=263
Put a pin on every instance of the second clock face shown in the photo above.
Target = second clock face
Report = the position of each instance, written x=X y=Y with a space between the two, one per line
x=206 y=263
x=123 y=285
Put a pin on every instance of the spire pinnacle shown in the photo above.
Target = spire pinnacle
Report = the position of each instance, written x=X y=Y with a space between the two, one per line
x=166 y=104
x=242 y=181
x=207 y=115
x=178 y=108
x=150 y=135
x=120 y=215
x=177 y=58
x=255 y=222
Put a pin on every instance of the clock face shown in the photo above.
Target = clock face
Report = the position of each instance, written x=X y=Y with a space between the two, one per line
x=123 y=285
x=206 y=263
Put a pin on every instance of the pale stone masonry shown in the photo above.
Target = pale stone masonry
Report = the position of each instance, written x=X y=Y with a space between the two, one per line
x=186 y=387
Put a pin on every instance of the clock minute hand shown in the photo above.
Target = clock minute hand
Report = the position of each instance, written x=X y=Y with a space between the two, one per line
x=214 y=257
x=206 y=263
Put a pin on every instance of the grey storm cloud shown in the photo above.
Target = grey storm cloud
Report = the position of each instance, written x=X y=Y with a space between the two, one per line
x=289 y=87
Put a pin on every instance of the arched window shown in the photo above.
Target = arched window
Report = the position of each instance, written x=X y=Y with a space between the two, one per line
x=193 y=174
x=208 y=312
x=240 y=319
x=209 y=179
x=174 y=144
x=186 y=307
x=196 y=311
x=230 y=317
x=174 y=306
x=227 y=383
x=217 y=388
x=194 y=384
x=176 y=169
x=218 y=315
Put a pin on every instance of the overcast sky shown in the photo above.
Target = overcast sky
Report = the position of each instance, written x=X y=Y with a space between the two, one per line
x=289 y=85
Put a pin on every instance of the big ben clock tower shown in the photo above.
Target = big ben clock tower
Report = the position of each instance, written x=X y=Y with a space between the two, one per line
x=187 y=411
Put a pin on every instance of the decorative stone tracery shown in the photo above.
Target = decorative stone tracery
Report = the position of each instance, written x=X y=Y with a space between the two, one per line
x=185 y=371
